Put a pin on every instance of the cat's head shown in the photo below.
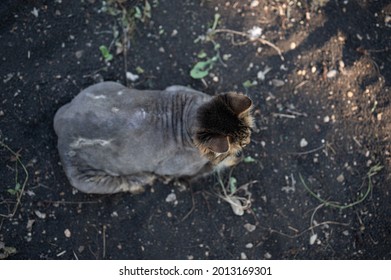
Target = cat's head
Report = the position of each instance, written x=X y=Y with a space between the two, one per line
x=224 y=127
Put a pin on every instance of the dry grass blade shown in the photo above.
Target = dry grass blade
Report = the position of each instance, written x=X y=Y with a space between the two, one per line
x=372 y=171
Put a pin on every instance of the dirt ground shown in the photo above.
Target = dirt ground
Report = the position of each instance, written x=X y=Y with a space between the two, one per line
x=317 y=169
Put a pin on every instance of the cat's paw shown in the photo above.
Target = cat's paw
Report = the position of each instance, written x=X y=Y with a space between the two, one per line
x=136 y=189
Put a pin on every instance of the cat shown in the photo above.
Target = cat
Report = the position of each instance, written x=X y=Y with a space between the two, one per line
x=115 y=139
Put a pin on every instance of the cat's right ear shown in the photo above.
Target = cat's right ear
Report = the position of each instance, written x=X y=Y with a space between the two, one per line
x=218 y=144
x=239 y=103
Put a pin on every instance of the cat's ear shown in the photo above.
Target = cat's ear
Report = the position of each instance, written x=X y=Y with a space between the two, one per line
x=218 y=144
x=239 y=103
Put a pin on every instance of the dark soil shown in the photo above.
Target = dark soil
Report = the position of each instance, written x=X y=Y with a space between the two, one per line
x=323 y=122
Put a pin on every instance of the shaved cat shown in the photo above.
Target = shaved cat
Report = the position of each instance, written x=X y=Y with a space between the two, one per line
x=115 y=139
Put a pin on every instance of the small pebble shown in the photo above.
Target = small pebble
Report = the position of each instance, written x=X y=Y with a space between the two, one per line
x=313 y=239
x=114 y=214
x=326 y=119
x=254 y=4
x=132 y=77
x=350 y=94
x=293 y=45
x=341 y=178
x=303 y=143
x=35 y=12
x=40 y=214
x=79 y=54
x=243 y=256
x=278 y=83
x=332 y=74
x=267 y=255
x=249 y=227
x=171 y=198
x=301 y=72
x=249 y=245
x=67 y=233
x=313 y=69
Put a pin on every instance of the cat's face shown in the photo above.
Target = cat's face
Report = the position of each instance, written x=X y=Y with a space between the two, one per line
x=224 y=128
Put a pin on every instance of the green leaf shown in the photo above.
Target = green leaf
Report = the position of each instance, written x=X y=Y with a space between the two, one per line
x=137 y=13
x=201 y=54
x=232 y=184
x=201 y=69
x=147 y=9
x=249 y=159
x=105 y=53
x=11 y=191
x=139 y=70
x=248 y=84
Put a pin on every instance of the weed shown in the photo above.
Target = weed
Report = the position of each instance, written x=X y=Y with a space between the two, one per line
x=105 y=53
x=249 y=84
x=372 y=172
x=249 y=159
x=239 y=198
x=201 y=69
x=127 y=15
x=19 y=187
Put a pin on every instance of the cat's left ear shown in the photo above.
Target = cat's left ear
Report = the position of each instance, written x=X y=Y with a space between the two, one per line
x=239 y=103
x=218 y=144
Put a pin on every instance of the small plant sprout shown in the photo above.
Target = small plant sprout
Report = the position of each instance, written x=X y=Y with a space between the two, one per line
x=248 y=84
x=201 y=69
x=249 y=159
x=127 y=15
x=239 y=198
x=16 y=190
x=106 y=53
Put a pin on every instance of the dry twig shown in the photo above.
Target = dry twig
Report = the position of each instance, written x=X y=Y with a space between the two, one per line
x=243 y=34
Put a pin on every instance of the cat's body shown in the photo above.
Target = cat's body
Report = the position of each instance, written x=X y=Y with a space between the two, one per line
x=112 y=138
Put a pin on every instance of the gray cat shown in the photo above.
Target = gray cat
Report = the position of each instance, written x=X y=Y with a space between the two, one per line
x=113 y=139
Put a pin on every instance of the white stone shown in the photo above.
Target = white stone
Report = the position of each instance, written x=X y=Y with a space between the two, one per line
x=303 y=143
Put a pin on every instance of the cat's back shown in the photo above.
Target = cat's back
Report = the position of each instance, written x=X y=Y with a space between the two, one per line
x=111 y=100
x=108 y=125
x=102 y=100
